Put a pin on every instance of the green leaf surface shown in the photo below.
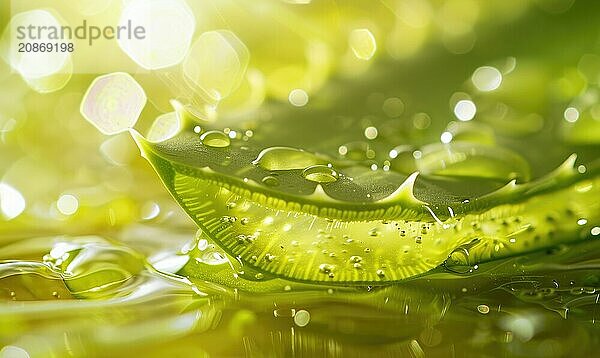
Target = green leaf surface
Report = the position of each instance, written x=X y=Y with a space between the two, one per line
x=351 y=224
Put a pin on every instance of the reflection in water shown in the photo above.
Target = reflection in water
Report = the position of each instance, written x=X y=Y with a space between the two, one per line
x=118 y=303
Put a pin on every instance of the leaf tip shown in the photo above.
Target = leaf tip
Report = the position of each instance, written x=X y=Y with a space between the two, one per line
x=405 y=192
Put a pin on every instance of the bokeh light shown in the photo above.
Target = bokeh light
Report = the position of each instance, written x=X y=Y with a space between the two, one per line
x=168 y=28
x=465 y=110
x=113 y=103
x=217 y=63
x=12 y=202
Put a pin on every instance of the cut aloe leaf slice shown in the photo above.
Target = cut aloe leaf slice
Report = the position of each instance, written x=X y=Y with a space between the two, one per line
x=303 y=216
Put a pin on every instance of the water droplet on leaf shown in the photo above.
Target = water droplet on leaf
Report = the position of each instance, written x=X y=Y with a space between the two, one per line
x=320 y=174
x=215 y=139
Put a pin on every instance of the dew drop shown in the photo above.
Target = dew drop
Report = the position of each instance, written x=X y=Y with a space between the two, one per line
x=268 y=220
x=380 y=273
x=286 y=158
x=270 y=180
x=320 y=174
x=326 y=268
x=465 y=159
x=228 y=219
x=202 y=244
x=215 y=139
x=270 y=257
x=458 y=257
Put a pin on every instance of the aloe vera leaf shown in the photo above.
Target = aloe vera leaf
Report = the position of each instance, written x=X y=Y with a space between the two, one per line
x=326 y=231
